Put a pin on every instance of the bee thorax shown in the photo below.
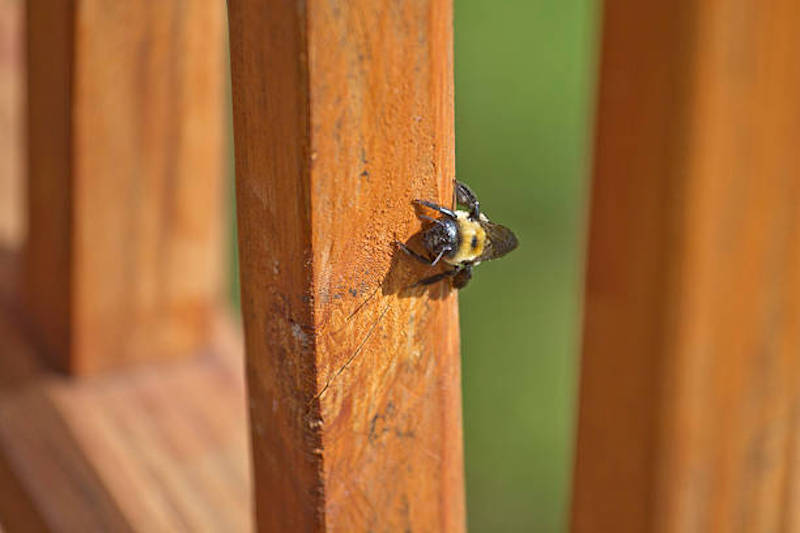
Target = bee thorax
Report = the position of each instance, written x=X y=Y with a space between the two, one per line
x=472 y=240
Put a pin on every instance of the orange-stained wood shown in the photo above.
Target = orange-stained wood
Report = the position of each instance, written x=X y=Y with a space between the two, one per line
x=343 y=113
x=157 y=448
x=126 y=159
x=691 y=360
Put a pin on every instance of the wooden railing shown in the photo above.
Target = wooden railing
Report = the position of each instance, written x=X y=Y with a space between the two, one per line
x=342 y=116
x=691 y=359
x=126 y=387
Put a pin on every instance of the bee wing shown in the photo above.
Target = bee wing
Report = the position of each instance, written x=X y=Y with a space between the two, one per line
x=499 y=240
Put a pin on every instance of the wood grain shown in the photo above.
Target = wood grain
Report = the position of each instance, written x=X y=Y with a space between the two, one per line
x=12 y=83
x=343 y=113
x=159 y=448
x=689 y=388
x=126 y=178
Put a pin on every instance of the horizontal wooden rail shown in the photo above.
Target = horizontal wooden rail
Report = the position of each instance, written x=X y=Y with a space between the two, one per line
x=343 y=113
x=691 y=360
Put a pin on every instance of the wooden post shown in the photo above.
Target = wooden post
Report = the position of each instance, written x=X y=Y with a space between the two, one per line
x=11 y=84
x=126 y=161
x=343 y=113
x=691 y=360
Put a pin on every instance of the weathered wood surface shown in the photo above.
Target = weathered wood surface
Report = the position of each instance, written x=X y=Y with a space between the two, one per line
x=343 y=113
x=126 y=158
x=159 y=448
x=691 y=360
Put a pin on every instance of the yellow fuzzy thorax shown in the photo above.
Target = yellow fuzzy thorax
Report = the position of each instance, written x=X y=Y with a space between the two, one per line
x=471 y=233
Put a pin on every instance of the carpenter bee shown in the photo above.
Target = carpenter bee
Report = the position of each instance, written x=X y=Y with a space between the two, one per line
x=462 y=239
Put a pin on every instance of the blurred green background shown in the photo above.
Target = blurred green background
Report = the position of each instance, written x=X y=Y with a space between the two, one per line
x=524 y=74
x=524 y=84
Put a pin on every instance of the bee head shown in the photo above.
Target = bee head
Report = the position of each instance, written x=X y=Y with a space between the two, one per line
x=442 y=235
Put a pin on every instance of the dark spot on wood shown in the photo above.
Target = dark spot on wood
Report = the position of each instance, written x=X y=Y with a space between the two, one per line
x=374 y=433
x=383 y=423
x=404 y=434
x=405 y=512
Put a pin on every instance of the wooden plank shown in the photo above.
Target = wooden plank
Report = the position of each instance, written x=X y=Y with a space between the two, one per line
x=48 y=250
x=17 y=512
x=689 y=398
x=12 y=75
x=126 y=177
x=343 y=113
x=158 y=448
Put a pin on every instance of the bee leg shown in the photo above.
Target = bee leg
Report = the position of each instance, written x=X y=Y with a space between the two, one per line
x=437 y=221
x=436 y=278
x=412 y=253
x=441 y=253
x=462 y=277
x=466 y=197
x=436 y=207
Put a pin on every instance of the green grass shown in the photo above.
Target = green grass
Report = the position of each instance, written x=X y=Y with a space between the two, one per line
x=524 y=74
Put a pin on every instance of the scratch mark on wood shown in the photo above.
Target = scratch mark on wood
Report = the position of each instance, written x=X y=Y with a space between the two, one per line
x=354 y=355
x=362 y=304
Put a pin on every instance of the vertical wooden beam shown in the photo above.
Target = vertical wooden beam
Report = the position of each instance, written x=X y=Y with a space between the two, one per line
x=12 y=74
x=691 y=361
x=343 y=113
x=126 y=155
